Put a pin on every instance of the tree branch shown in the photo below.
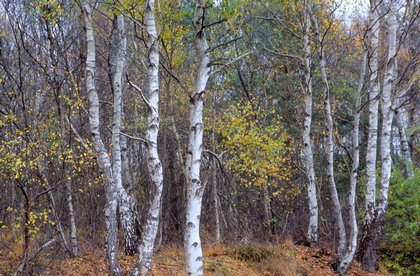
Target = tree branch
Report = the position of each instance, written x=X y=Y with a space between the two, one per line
x=231 y=62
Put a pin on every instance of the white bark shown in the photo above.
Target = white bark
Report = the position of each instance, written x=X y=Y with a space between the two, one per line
x=388 y=107
x=348 y=257
x=99 y=148
x=374 y=89
x=117 y=61
x=405 y=148
x=329 y=136
x=144 y=261
x=306 y=132
x=195 y=188
x=373 y=229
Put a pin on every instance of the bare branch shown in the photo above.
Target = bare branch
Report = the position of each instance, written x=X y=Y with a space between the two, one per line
x=133 y=137
x=284 y=54
x=231 y=62
x=138 y=89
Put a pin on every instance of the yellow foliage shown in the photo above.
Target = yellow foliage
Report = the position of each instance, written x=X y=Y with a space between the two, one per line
x=256 y=145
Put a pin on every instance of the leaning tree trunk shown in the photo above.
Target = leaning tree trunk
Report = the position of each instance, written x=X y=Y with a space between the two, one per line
x=144 y=261
x=345 y=262
x=99 y=148
x=195 y=188
x=117 y=58
x=306 y=133
x=329 y=136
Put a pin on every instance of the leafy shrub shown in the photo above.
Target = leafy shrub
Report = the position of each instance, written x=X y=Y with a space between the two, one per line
x=401 y=243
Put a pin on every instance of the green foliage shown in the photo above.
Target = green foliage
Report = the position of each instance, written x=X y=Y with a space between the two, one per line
x=401 y=243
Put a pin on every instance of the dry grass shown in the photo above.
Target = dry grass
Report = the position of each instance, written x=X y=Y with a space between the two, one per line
x=283 y=259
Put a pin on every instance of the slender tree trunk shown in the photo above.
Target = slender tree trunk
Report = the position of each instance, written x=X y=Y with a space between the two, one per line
x=330 y=173
x=74 y=246
x=53 y=51
x=306 y=132
x=345 y=262
x=405 y=148
x=329 y=137
x=371 y=238
x=195 y=188
x=117 y=58
x=144 y=261
x=100 y=151
x=363 y=255
x=214 y=177
x=374 y=89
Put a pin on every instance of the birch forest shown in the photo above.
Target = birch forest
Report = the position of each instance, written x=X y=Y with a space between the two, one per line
x=209 y=137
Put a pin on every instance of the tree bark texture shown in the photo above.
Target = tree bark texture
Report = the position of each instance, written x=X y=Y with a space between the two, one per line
x=345 y=262
x=374 y=94
x=306 y=131
x=329 y=136
x=195 y=188
x=373 y=232
x=405 y=147
x=117 y=60
x=101 y=154
x=144 y=261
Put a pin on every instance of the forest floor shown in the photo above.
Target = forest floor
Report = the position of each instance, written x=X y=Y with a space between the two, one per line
x=286 y=259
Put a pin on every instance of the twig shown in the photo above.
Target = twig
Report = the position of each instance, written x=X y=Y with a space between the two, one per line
x=283 y=54
x=132 y=137
x=140 y=91
x=231 y=62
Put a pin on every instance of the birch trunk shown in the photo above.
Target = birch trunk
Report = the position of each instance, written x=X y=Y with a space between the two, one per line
x=371 y=239
x=144 y=261
x=370 y=201
x=405 y=148
x=100 y=151
x=329 y=137
x=117 y=58
x=195 y=188
x=306 y=133
x=374 y=89
x=345 y=262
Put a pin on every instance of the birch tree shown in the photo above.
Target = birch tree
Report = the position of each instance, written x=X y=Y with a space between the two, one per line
x=307 y=124
x=393 y=88
x=195 y=188
x=100 y=151
x=374 y=90
x=405 y=148
x=329 y=134
x=117 y=60
x=144 y=260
